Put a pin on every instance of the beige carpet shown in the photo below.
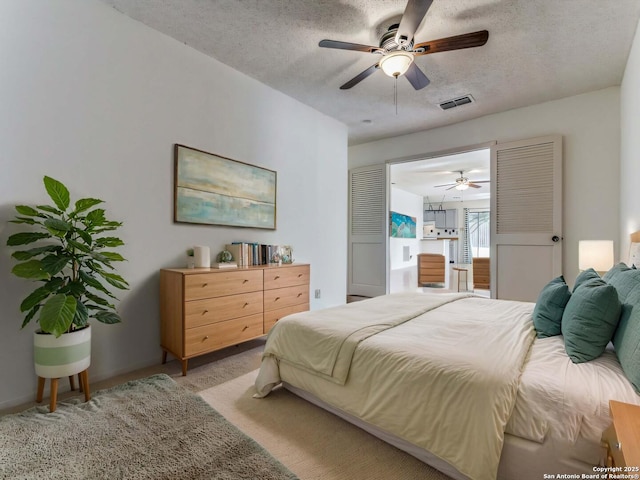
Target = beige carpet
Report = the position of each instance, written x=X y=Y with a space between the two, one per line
x=312 y=443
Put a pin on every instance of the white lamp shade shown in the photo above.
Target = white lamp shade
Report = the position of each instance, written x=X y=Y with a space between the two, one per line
x=596 y=254
x=396 y=63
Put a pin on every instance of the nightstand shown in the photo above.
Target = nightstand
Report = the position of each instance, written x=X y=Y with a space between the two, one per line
x=623 y=436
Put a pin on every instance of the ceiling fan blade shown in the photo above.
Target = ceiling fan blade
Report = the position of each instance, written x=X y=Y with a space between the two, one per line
x=482 y=181
x=416 y=77
x=445 y=185
x=358 y=78
x=413 y=14
x=452 y=187
x=458 y=42
x=473 y=185
x=348 y=46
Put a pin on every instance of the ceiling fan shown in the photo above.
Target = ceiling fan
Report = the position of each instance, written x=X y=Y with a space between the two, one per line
x=462 y=183
x=399 y=51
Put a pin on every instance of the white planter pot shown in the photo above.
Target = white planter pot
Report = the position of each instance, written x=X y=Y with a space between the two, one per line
x=63 y=356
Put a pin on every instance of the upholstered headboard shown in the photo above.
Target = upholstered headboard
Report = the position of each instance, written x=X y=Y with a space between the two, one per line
x=634 y=250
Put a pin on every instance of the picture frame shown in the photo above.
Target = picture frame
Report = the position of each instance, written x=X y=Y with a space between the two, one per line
x=211 y=189
x=401 y=225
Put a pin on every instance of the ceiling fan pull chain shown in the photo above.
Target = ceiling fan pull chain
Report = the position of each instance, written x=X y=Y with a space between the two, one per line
x=395 y=93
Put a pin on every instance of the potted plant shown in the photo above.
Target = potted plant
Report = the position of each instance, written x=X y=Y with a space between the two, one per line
x=69 y=256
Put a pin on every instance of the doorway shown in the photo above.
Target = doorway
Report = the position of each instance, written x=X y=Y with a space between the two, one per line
x=443 y=205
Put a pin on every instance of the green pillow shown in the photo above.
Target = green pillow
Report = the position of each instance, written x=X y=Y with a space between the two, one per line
x=615 y=270
x=547 y=314
x=585 y=276
x=590 y=320
x=627 y=339
x=625 y=281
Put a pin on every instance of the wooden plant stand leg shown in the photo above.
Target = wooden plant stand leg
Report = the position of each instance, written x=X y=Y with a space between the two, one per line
x=40 y=389
x=72 y=382
x=84 y=381
x=54 y=395
x=164 y=357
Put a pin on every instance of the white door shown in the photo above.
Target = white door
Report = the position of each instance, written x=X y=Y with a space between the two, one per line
x=526 y=217
x=368 y=231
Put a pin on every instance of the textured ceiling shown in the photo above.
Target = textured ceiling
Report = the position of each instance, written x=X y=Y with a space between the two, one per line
x=538 y=50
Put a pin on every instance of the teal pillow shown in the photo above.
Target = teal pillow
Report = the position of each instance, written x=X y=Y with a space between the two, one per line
x=590 y=320
x=615 y=270
x=547 y=314
x=627 y=339
x=585 y=276
x=625 y=281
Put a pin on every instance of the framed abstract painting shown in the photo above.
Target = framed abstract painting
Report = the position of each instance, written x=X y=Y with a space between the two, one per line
x=214 y=190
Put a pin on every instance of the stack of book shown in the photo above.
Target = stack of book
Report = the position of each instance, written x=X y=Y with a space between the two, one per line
x=246 y=254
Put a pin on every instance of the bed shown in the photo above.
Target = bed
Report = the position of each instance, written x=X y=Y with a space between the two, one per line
x=463 y=383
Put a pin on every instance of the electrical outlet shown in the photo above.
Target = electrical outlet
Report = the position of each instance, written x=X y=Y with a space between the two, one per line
x=317 y=293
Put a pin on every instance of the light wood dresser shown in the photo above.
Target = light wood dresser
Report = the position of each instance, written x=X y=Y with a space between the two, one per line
x=203 y=309
x=430 y=268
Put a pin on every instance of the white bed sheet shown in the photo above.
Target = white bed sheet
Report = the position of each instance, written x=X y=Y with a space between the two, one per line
x=563 y=400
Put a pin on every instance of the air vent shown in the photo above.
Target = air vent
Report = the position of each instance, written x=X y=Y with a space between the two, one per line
x=456 y=102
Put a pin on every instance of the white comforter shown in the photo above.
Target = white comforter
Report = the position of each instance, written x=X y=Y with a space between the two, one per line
x=445 y=379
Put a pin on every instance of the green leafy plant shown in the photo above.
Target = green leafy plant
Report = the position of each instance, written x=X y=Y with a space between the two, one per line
x=69 y=259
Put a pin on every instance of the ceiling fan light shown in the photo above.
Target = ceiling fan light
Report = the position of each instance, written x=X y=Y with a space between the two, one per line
x=396 y=63
x=462 y=186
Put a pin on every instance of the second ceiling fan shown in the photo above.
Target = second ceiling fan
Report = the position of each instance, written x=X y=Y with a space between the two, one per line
x=398 y=50
x=462 y=183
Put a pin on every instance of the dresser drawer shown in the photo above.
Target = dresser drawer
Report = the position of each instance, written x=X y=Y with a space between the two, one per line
x=285 y=297
x=271 y=317
x=223 y=334
x=286 y=276
x=219 y=309
x=220 y=284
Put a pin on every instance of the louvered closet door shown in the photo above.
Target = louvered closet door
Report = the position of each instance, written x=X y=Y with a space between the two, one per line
x=368 y=231
x=526 y=210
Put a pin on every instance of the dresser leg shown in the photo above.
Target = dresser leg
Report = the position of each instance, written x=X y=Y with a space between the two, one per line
x=184 y=367
x=164 y=357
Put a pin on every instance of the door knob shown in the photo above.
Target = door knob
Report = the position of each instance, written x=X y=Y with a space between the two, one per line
x=555 y=239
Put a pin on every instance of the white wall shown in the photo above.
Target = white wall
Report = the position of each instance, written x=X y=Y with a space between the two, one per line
x=97 y=101
x=590 y=125
x=630 y=148
x=410 y=204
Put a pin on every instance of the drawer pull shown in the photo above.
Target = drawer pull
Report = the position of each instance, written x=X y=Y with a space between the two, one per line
x=299 y=275
x=277 y=277
x=618 y=446
x=245 y=281
x=245 y=327
x=204 y=285
x=245 y=305
x=299 y=294
x=277 y=298
x=205 y=312
x=206 y=337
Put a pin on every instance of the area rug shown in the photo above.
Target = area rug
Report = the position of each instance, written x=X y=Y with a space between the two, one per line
x=311 y=442
x=144 y=429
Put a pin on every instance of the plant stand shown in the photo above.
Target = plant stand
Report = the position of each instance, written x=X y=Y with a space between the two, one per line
x=83 y=380
x=59 y=357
